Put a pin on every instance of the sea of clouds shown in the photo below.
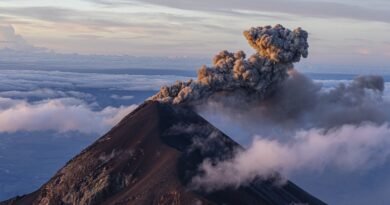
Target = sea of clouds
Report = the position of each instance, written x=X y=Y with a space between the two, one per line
x=49 y=116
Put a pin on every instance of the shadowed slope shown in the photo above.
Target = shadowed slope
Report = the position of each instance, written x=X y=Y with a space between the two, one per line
x=149 y=158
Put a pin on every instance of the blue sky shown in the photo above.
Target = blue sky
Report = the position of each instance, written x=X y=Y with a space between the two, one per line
x=353 y=33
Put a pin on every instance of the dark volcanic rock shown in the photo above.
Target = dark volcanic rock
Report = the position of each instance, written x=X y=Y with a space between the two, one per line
x=149 y=158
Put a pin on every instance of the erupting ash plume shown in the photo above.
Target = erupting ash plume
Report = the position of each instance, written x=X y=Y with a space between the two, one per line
x=259 y=75
x=278 y=44
x=293 y=122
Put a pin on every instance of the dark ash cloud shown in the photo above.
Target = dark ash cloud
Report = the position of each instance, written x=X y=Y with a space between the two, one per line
x=277 y=49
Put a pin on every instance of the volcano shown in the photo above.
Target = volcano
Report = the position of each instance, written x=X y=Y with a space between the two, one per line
x=150 y=157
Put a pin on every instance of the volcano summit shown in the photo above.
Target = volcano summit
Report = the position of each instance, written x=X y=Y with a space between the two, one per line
x=150 y=157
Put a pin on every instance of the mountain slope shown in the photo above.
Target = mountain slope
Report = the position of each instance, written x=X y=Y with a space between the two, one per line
x=149 y=158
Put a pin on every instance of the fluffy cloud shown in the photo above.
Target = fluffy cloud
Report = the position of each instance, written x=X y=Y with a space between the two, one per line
x=10 y=39
x=64 y=114
x=34 y=100
x=348 y=148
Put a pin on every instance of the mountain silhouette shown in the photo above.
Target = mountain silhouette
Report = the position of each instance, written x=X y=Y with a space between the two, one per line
x=150 y=157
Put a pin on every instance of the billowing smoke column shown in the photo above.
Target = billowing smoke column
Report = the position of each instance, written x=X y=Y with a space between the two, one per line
x=278 y=44
x=287 y=122
x=277 y=49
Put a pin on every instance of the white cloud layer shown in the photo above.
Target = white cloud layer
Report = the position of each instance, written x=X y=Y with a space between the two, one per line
x=348 y=148
x=63 y=114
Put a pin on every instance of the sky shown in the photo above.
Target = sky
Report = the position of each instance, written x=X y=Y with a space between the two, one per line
x=343 y=33
x=50 y=108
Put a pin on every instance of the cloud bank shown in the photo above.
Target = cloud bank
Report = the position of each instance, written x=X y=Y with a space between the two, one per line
x=347 y=148
x=9 y=39
x=38 y=100
x=62 y=115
